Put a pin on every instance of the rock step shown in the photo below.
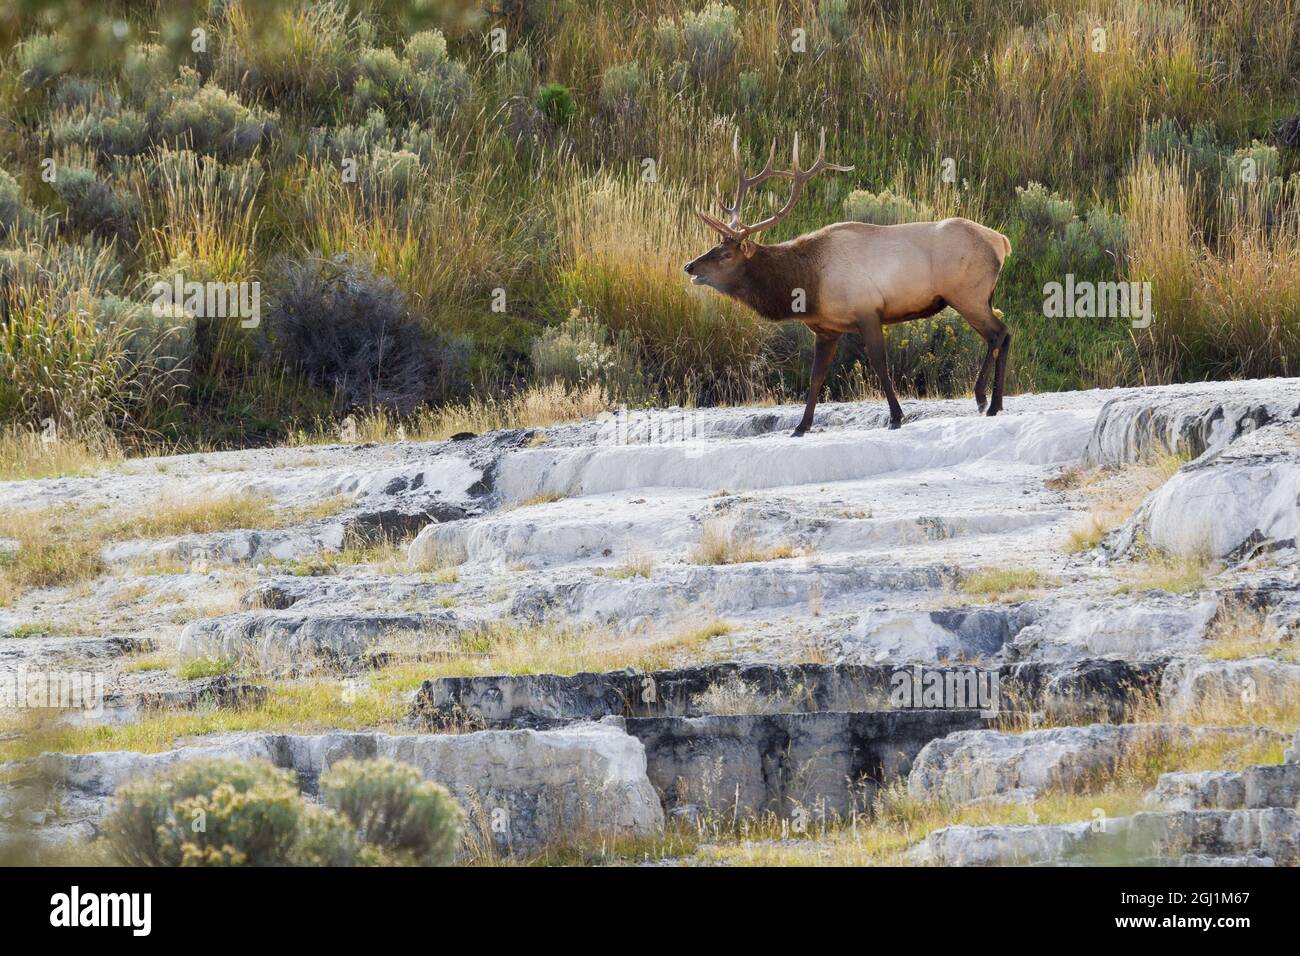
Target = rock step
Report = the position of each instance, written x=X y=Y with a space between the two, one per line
x=34 y=652
x=1244 y=837
x=1189 y=419
x=603 y=528
x=810 y=765
x=817 y=458
x=590 y=778
x=1099 y=687
x=1057 y=627
x=370 y=522
x=281 y=639
x=985 y=764
x=1189 y=684
x=1234 y=503
x=521 y=789
x=1254 y=788
x=691 y=591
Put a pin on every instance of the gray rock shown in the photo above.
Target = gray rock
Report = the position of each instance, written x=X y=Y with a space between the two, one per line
x=819 y=765
x=521 y=789
x=1254 y=788
x=1094 y=688
x=984 y=763
x=1082 y=691
x=1234 y=503
x=525 y=700
x=1130 y=627
x=277 y=639
x=1058 y=628
x=233 y=547
x=1187 y=419
x=1189 y=684
x=1228 y=836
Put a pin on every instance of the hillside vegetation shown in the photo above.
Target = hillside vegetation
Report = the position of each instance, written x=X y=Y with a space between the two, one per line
x=486 y=207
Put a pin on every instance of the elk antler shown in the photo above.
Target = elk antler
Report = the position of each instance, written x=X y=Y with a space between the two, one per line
x=743 y=182
x=736 y=229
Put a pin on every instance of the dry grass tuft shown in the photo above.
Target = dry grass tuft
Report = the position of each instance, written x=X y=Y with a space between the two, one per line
x=1007 y=584
x=1115 y=494
x=639 y=566
x=1240 y=630
x=732 y=695
x=26 y=453
x=720 y=543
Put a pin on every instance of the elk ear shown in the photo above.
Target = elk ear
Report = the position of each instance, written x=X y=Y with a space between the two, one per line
x=747 y=247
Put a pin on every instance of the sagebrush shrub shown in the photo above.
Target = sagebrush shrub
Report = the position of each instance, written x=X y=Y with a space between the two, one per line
x=347 y=328
x=1044 y=223
x=581 y=352
x=836 y=20
x=437 y=95
x=749 y=90
x=884 y=208
x=77 y=91
x=382 y=67
x=40 y=59
x=16 y=217
x=107 y=131
x=224 y=812
x=392 y=808
x=95 y=207
x=372 y=135
x=147 y=69
x=210 y=120
x=62 y=269
x=710 y=38
x=395 y=175
x=302 y=51
x=426 y=50
x=622 y=87
x=1043 y=212
x=516 y=73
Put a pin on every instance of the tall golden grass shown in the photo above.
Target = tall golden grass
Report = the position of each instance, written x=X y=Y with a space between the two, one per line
x=1230 y=307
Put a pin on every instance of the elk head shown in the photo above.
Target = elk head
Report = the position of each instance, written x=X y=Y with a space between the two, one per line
x=722 y=267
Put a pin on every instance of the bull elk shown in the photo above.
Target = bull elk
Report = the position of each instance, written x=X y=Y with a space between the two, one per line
x=852 y=276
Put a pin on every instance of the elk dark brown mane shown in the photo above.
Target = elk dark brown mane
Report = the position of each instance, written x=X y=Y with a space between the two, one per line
x=858 y=277
x=772 y=271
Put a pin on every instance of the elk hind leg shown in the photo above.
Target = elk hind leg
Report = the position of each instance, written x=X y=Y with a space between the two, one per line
x=873 y=341
x=986 y=322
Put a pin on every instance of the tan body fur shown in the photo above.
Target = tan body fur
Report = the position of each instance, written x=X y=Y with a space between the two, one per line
x=856 y=277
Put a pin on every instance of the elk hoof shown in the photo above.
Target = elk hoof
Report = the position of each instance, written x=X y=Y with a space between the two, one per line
x=981 y=404
x=798 y=432
x=993 y=411
x=895 y=423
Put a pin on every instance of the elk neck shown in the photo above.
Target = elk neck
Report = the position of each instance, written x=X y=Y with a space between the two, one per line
x=772 y=276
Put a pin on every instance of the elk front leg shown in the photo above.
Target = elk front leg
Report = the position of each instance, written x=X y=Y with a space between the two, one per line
x=873 y=340
x=823 y=355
